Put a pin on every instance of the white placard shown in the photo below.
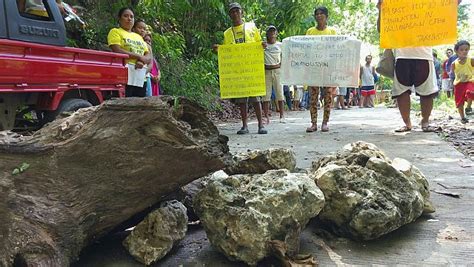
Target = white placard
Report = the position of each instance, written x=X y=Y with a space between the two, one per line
x=321 y=60
x=136 y=77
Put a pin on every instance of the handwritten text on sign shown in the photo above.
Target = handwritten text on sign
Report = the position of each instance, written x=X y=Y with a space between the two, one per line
x=324 y=60
x=241 y=70
x=412 y=23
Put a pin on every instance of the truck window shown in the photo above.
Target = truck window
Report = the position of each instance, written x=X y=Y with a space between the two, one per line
x=34 y=9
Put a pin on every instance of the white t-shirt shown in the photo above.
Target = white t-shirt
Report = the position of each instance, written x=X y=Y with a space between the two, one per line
x=422 y=52
x=273 y=54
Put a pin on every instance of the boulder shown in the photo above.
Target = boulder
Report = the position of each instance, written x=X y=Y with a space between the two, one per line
x=187 y=193
x=243 y=213
x=367 y=194
x=260 y=161
x=155 y=236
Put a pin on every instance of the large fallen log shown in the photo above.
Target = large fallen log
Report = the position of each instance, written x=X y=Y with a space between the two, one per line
x=79 y=177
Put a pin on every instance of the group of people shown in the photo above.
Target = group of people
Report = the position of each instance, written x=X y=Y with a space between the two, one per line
x=134 y=38
x=242 y=32
x=414 y=71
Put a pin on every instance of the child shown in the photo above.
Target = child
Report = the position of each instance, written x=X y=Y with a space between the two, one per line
x=463 y=69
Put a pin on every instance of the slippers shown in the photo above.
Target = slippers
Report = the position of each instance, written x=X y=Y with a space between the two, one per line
x=403 y=129
x=429 y=129
x=324 y=128
x=311 y=129
x=243 y=130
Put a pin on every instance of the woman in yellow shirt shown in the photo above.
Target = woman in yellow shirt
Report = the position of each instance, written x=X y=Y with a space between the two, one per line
x=321 y=16
x=463 y=68
x=124 y=40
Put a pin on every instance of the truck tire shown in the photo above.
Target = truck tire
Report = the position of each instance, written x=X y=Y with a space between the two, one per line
x=67 y=105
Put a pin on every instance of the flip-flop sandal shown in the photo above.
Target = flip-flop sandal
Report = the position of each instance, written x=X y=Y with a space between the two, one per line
x=429 y=129
x=324 y=128
x=403 y=129
x=311 y=129
x=262 y=131
x=243 y=131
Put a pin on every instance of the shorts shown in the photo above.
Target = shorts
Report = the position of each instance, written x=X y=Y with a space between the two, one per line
x=463 y=92
x=447 y=85
x=244 y=100
x=342 y=91
x=418 y=73
x=135 y=91
x=367 y=90
x=272 y=81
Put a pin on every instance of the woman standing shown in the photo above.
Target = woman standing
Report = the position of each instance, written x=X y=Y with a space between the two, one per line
x=123 y=40
x=155 y=74
x=321 y=16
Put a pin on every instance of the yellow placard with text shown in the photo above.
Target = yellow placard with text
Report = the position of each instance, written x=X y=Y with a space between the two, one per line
x=413 y=23
x=241 y=70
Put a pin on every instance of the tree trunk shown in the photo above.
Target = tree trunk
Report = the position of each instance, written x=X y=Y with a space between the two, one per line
x=79 y=177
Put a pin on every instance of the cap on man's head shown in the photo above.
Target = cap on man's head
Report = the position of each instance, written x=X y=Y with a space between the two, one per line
x=271 y=27
x=234 y=5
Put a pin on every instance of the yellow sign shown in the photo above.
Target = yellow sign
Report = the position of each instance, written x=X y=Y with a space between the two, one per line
x=413 y=23
x=241 y=70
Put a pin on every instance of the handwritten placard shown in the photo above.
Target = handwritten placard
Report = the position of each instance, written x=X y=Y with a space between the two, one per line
x=321 y=60
x=413 y=23
x=241 y=70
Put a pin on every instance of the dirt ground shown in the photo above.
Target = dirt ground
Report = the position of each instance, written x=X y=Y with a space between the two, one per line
x=444 y=238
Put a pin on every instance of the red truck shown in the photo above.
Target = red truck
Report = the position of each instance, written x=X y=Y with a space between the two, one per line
x=39 y=75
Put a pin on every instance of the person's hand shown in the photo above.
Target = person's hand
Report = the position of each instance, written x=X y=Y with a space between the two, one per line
x=215 y=47
x=264 y=44
x=139 y=65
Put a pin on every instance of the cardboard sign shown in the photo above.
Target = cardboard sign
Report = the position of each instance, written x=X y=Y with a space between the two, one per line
x=413 y=23
x=321 y=60
x=241 y=70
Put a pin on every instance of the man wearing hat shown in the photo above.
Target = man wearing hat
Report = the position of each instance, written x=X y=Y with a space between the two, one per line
x=242 y=32
x=272 y=72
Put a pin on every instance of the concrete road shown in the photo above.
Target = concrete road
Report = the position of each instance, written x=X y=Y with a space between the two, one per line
x=445 y=238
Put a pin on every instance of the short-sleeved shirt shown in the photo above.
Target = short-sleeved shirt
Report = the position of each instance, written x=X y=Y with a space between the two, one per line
x=464 y=72
x=128 y=41
x=314 y=31
x=245 y=33
x=273 y=54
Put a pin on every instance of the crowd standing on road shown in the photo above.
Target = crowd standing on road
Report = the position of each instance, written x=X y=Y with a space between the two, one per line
x=417 y=69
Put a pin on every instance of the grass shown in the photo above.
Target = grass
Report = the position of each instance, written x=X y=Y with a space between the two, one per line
x=441 y=103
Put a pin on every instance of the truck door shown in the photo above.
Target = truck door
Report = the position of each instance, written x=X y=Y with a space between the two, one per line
x=3 y=25
x=29 y=25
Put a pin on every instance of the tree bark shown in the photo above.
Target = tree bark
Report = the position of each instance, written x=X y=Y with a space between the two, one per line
x=79 y=177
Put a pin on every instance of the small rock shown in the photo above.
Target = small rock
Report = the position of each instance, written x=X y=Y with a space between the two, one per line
x=260 y=161
x=155 y=236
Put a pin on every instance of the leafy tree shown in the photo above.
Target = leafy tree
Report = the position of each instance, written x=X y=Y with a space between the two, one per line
x=184 y=30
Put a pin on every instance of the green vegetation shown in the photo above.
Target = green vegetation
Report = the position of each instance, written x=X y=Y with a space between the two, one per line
x=184 y=31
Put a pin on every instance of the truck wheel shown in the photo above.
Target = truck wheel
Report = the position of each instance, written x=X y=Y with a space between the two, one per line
x=67 y=105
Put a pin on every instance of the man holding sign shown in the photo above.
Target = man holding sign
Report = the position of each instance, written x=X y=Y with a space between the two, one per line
x=321 y=16
x=241 y=32
x=414 y=67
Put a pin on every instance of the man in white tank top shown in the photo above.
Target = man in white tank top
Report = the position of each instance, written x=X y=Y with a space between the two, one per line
x=367 y=90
